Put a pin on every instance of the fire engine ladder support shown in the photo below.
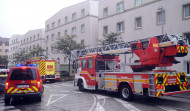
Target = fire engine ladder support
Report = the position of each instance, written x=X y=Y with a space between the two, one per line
x=151 y=85
x=125 y=47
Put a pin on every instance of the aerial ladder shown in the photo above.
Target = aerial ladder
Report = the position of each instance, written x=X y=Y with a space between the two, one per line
x=158 y=51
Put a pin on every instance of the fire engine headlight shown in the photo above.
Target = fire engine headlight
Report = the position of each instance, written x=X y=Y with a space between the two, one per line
x=160 y=80
x=182 y=78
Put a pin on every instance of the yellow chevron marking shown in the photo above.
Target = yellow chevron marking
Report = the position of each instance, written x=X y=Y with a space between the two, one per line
x=14 y=91
x=34 y=87
x=157 y=95
x=30 y=90
x=9 y=89
x=181 y=87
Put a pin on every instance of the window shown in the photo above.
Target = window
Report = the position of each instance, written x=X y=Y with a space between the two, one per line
x=6 y=50
x=105 y=30
x=120 y=27
x=65 y=32
x=59 y=35
x=21 y=41
x=82 y=42
x=84 y=63
x=47 y=38
x=27 y=40
x=53 y=25
x=59 y=22
x=30 y=39
x=138 y=2
x=23 y=74
x=34 y=37
x=187 y=36
x=120 y=7
x=78 y=63
x=65 y=60
x=24 y=41
x=138 y=23
x=52 y=37
x=6 y=43
x=186 y=11
x=74 y=30
x=82 y=12
x=34 y=46
x=188 y=67
x=74 y=16
x=82 y=28
x=90 y=63
x=66 y=19
x=38 y=36
x=160 y=17
x=52 y=49
x=105 y=12
x=47 y=27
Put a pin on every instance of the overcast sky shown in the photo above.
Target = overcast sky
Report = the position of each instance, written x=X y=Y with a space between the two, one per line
x=20 y=16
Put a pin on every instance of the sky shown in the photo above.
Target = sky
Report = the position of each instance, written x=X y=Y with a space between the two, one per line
x=20 y=16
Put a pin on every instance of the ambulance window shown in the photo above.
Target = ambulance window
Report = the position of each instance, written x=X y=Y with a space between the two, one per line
x=78 y=63
x=84 y=63
x=90 y=63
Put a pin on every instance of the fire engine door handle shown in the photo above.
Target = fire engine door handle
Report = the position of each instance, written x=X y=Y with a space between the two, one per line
x=92 y=75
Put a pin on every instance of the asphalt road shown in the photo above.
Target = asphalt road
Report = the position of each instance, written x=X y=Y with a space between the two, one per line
x=62 y=96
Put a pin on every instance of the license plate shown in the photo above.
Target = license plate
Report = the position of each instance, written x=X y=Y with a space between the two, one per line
x=22 y=86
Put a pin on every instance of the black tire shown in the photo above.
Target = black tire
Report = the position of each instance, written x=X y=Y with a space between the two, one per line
x=126 y=93
x=81 y=86
x=7 y=100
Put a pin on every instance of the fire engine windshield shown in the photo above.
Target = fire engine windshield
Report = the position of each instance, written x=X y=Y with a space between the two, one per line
x=23 y=74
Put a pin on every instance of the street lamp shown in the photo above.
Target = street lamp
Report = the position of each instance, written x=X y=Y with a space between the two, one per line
x=161 y=9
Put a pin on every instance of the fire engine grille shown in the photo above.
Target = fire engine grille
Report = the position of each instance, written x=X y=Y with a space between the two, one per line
x=172 y=88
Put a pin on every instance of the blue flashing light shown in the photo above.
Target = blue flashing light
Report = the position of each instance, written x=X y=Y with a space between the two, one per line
x=32 y=65
x=18 y=65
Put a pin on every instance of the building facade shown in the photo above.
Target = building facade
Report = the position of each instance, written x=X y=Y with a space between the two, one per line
x=137 y=19
x=80 y=20
x=4 y=47
x=27 y=42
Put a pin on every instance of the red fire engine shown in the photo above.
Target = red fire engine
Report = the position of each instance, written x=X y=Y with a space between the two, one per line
x=101 y=69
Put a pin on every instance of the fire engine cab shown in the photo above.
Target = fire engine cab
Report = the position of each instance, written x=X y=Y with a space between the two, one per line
x=101 y=68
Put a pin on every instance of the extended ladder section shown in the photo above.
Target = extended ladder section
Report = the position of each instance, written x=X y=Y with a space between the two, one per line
x=125 y=47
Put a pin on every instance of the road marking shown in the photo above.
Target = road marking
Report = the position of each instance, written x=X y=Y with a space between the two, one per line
x=99 y=107
x=166 y=108
x=94 y=104
x=50 y=101
x=129 y=106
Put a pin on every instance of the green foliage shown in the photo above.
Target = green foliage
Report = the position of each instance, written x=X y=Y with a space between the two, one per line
x=64 y=45
x=24 y=55
x=3 y=60
x=110 y=39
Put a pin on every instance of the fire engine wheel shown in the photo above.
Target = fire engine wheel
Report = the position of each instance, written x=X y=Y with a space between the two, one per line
x=39 y=98
x=126 y=93
x=7 y=100
x=81 y=86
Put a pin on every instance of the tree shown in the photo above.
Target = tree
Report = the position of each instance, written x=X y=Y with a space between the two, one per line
x=110 y=39
x=24 y=55
x=65 y=45
x=3 y=60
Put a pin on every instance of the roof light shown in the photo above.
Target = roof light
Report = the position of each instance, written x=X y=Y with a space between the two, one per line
x=18 y=65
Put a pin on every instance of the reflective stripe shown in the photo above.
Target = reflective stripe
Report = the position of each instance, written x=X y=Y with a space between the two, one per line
x=34 y=87
x=14 y=91
x=30 y=90
x=9 y=89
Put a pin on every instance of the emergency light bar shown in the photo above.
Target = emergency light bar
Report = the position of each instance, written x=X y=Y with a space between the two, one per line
x=32 y=65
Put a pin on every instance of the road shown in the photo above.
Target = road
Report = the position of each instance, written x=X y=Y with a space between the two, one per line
x=62 y=96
